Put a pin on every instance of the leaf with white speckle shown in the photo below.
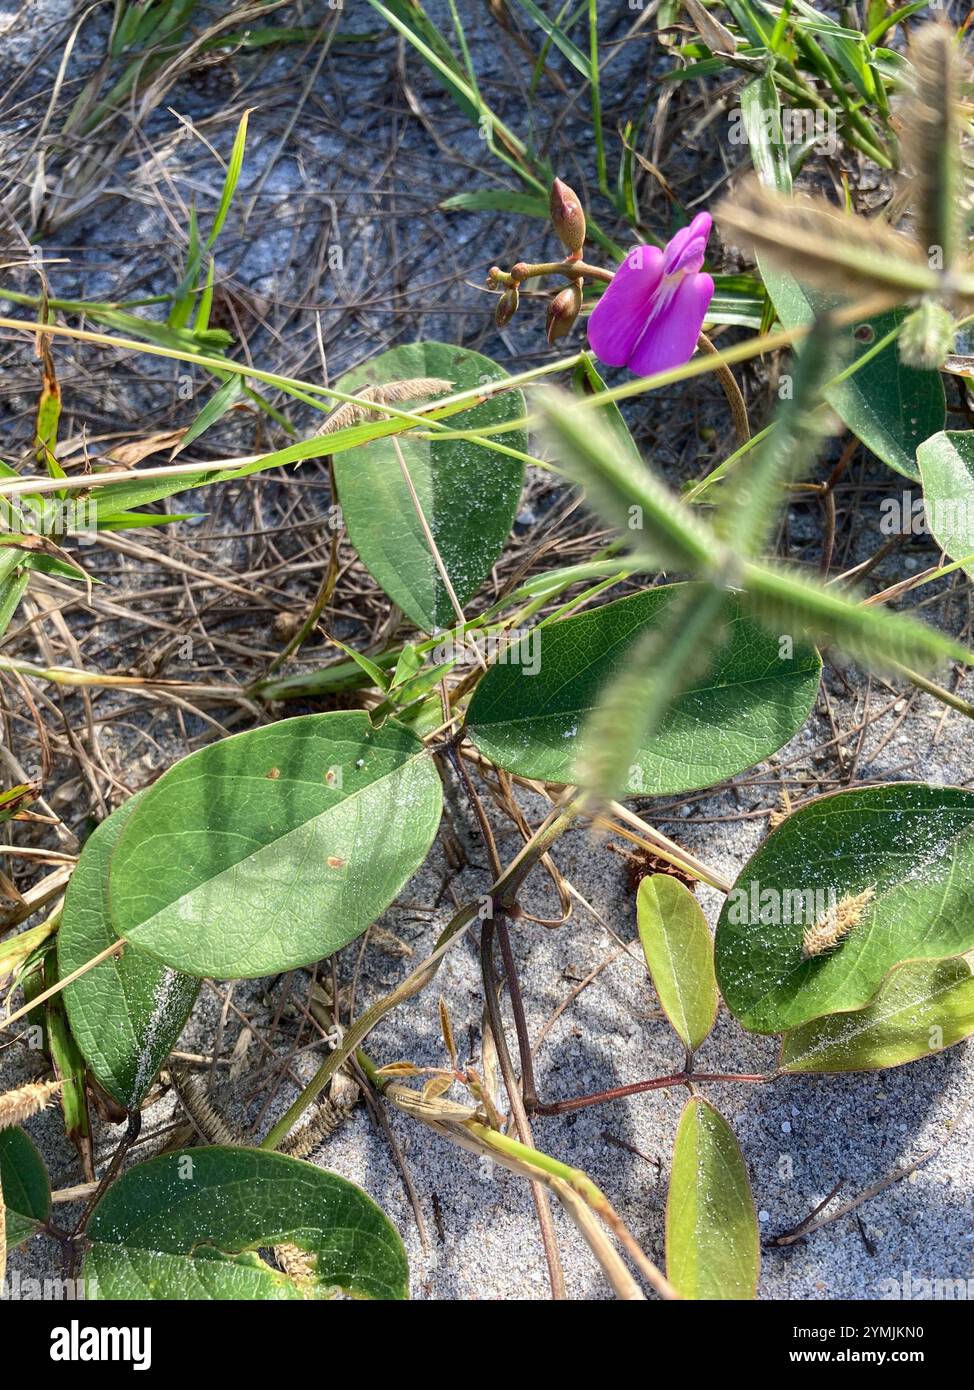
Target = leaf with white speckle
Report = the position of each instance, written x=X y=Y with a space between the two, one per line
x=188 y=1226
x=947 y=468
x=127 y=1014
x=904 y=852
x=923 y=1007
x=26 y=1189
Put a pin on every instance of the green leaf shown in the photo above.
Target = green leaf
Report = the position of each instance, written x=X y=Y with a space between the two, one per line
x=908 y=846
x=216 y=407
x=126 y=1014
x=469 y=498
x=892 y=408
x=761 y=117
x=136 y=521
x=751 y=702
x=188 y=1226
x=275 y=847
x=923 y=1007
x=25 y=1186
x=947 y=469
x=712 y=1249
x=234 y=169
x=557 y=35
x=497 y=200
x=679 y=955
x=738 y=300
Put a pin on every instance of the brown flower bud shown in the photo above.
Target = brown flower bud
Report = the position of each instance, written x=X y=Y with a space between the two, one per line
x=506 y=306
x=567 y=217
x=563 y=310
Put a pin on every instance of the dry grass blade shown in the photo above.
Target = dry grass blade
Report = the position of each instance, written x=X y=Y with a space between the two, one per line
x=18 y=1106
x=825 y=245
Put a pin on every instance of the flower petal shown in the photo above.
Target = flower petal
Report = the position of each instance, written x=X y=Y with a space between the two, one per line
x=671 y=340
x=685 y=250
x=618 y=319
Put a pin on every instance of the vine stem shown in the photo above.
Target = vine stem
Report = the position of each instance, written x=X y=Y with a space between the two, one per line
x=517 y=1096
x=655 y=1083
x=503 y=892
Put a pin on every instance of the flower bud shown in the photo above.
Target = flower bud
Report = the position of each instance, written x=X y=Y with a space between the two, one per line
x=563 y=310
x=567 y=217
x=927 y=336
x=506 y=306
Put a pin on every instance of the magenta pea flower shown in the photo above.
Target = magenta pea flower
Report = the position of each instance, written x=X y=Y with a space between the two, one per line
x=650 y=315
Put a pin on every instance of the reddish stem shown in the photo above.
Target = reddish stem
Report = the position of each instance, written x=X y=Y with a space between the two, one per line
x=655 y=1083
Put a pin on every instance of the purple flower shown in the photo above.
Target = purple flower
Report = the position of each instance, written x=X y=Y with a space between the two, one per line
x=650 y=315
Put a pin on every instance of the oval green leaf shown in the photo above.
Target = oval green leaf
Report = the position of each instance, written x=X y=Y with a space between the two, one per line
x=188 y=1226
x=908 y=847
x=276 y=847
x=25 y=1186
x=527 y=711
x=712 y=1249
x=469 y=494
x=891 y=407
x=923 y=1007
x=947 y=469
x=679 y=953
x=127 y=1014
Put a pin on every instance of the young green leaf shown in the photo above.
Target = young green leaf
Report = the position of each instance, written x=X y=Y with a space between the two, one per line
x=497 y=200
x=679 y=955
x=189 y=1226
x=468 y=498
x=877 y=876
x=234 y=169
x=126 y=1014
x=275 y=847
x=712 y=1249
x=923 y=1007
